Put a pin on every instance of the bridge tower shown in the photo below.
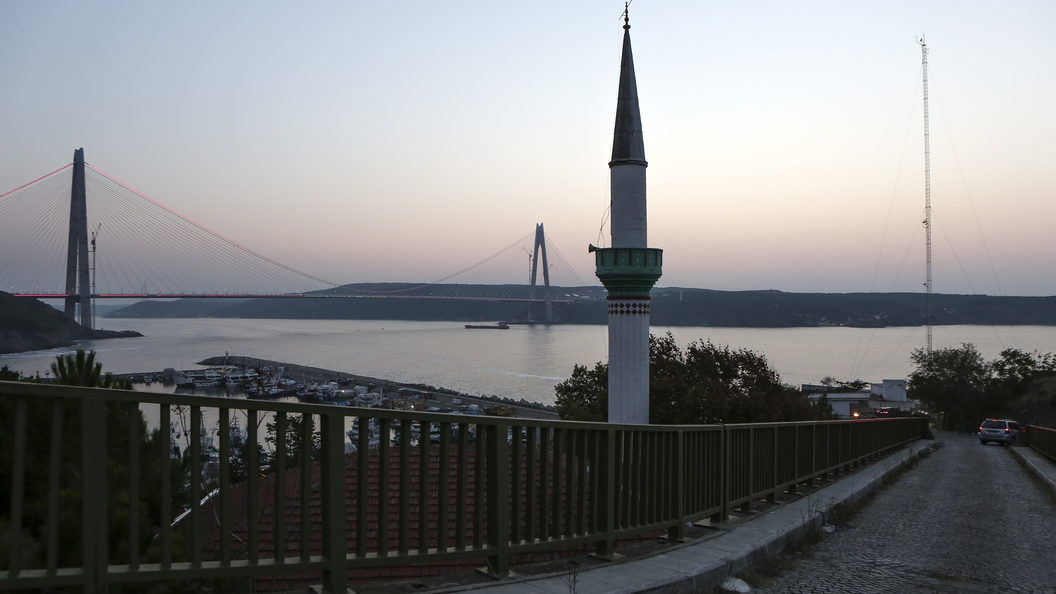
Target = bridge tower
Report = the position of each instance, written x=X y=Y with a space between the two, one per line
x=628 y=269
x=78 y=287
x=548 y=305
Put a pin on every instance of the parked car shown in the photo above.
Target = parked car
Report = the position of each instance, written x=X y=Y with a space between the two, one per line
x=1002 y=431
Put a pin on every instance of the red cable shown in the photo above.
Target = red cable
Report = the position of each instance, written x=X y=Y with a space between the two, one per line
x=207 y=229
x=38 y=179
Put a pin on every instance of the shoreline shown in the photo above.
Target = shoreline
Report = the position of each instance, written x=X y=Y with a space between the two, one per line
x=421 y=394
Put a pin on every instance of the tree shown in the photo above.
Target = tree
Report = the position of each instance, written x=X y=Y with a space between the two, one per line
x=584 y=396
x=1024 y=386
x=823 y=408
x=292 y=440
x=952 y=381
x=81 y=369
x=122 y=420
x=849 y=386
x=964 y=388
x=1014 y=370
x=705 y=383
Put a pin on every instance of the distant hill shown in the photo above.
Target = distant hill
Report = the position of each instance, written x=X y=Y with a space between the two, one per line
x=30 y=325
x=775 y=309
x=671 y=306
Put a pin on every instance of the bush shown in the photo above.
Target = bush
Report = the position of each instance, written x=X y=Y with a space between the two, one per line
x=703 y=384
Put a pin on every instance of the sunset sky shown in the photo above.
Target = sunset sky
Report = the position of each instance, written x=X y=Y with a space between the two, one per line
x=403 y=141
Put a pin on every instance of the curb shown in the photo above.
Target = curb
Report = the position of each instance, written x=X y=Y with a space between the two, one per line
x=1042 y=468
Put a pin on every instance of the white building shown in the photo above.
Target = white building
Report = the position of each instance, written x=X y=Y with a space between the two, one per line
x=888 y=394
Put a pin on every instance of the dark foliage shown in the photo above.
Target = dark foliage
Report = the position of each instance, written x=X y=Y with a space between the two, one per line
x=81 y=369
x=30 y=324
x=50 y=421
x=962 y=387
x=705 y=383
x=291 y=443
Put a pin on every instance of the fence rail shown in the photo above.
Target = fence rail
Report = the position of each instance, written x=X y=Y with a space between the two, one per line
x=98 y=496
x=1042 y=440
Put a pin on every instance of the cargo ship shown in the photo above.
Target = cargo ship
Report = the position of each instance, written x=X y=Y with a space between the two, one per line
x=495 y=326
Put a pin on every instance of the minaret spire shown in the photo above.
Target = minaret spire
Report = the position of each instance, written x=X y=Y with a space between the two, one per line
x=627 y=144
x=627 y=166
x=629 y=268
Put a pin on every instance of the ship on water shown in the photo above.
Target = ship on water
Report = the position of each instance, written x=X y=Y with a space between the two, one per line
x=495 y=326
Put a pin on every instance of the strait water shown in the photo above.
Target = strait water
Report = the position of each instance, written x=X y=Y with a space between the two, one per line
x=522 y=362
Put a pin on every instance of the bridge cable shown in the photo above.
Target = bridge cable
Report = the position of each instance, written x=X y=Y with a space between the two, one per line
x=5 y=194
x=450 y=276
x=214 y=233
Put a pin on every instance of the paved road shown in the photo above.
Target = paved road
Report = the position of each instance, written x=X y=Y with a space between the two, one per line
x=967 y=518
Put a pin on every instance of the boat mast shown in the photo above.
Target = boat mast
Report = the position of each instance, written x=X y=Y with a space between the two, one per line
x=927 y=199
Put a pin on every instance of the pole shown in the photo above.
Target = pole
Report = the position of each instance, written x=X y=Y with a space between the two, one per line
x=927 y=199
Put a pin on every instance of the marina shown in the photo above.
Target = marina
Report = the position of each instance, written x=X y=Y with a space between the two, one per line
x=255 y=378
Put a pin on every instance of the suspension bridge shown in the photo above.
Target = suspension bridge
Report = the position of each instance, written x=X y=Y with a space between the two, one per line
x=51 y=239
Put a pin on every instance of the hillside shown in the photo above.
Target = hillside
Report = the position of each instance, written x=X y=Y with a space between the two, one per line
x=30 y=325
x=671 y=306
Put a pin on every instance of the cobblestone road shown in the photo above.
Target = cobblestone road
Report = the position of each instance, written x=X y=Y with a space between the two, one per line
x=967 y=518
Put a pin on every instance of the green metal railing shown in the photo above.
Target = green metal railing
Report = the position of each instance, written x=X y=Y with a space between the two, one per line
x=1042 y=440
x=90 y=506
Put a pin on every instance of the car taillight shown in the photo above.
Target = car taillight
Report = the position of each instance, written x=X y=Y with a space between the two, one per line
x=1006 y=430
x=980 y=427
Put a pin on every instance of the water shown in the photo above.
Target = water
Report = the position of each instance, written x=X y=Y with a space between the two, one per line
x=522 y=362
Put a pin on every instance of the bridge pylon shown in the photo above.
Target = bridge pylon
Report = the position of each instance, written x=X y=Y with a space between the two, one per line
x=548 y=305
x=78 y=283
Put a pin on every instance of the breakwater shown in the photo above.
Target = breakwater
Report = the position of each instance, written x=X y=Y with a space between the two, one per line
x=418 y=396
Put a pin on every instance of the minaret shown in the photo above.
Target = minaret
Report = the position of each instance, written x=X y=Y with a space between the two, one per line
x=628 y=269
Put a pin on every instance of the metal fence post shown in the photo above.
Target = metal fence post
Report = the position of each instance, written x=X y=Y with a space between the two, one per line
x=498 y=506
x=772 y=496
x=677 y=474
x=335 y=578
x=746 y=507
x=606 y=495
x=18 y=482
x=724 y=476
x=94 y=522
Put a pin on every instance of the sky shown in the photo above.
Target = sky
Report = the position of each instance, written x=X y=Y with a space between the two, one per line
x=404 y=141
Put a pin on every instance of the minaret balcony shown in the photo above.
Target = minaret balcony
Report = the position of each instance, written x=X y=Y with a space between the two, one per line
x=628 y=271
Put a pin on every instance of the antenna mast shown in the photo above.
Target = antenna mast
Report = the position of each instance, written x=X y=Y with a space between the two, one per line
x=927 y=198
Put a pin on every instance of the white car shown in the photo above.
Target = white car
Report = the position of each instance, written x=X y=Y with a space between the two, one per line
x=1002 y=431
